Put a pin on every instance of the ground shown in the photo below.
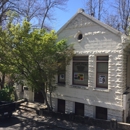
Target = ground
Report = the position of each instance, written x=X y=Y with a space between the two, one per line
x=31 y=121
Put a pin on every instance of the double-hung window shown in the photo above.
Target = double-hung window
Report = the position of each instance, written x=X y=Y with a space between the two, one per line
x=102 y=72
x=80 y=70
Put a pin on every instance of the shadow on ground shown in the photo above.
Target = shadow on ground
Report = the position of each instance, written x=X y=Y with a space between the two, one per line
x=22 y=122
x=31 y=121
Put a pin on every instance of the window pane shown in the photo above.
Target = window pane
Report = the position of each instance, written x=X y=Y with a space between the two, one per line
x=80 y=66
x=80 y=73
x=61 y=78
x=80 y=58
x=79 y=109
x=102 y=80
x=102 y=67
x=102 y=58
x=101 y=113
x=80 y=78
x=61 y=106
x=80 y=70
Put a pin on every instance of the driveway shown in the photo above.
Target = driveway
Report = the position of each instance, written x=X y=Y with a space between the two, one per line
x=31 y=121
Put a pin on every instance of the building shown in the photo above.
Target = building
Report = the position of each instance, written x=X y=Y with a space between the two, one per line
x=96 y=82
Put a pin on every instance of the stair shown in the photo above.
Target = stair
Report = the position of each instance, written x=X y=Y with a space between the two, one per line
x=31 y=107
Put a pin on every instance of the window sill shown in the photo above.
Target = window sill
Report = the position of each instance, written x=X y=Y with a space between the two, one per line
x=101 y=89
x=79 y=86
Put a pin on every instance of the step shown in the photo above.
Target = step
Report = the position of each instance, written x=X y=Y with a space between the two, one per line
x=32 y=107
x=27 y=109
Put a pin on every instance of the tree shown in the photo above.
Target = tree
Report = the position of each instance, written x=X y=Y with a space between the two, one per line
x=36 y=56
x=5 y=58
x=95 y=8
x=119 y=15
x=39 y=12
x=113 y=21
x=5 y=6
x=123 y=10
x=48 y=8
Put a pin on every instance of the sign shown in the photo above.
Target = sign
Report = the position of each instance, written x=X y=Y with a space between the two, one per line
x=79 y=76
x=102 y=79
x=62 y=76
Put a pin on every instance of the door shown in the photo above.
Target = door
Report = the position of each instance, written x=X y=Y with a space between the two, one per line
x=38 y=97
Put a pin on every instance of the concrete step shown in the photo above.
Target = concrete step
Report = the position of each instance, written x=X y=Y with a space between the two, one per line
x=31 y=107
x=27 y=109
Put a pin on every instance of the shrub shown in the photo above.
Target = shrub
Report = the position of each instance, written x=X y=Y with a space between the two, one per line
x=6 y=94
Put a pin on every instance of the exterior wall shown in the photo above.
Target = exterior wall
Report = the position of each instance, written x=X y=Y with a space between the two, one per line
x=19 y=92
x=97 y=41
x=54 y=104
x=126 y=97
x=115 y=114
x=110 y=98
x=89 y=111
x=69 y=107
x=29 y=95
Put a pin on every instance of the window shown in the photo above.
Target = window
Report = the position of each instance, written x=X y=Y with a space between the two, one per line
x=80 y=70
x=61 y=75
x=61 y=106
x=80 y=36
x=102 y=72
x=61 y=78
x=79 y=109
x=101 y=113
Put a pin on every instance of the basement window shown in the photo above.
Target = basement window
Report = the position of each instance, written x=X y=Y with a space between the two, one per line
x=61 y=106
x=79 y=109
x=101 y=113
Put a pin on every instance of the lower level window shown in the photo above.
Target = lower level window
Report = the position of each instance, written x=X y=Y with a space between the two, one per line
x=61 y=106
x=101 y=113
x=79 y=109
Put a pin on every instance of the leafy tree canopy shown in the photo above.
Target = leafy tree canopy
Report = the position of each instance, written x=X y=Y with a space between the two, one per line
x=35 y=55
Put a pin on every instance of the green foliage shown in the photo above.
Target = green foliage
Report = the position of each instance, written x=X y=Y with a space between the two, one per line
x=35 y=56
x=6 y=94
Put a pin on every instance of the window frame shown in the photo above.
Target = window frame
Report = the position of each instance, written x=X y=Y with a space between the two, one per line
x=103 y=73
x=80 y=61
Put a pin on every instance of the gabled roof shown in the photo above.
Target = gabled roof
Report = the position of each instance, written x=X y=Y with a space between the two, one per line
x=81 y=11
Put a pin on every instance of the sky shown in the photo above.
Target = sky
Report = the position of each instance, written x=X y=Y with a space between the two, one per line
x=63 y=16
x=72 y=8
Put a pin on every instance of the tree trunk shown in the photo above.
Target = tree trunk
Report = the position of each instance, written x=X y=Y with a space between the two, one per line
x=51 y=101
x=2 y=80
x=45 y=98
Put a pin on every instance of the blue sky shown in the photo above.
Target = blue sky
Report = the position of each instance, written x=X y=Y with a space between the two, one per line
x=71 y=9
x=63 y=16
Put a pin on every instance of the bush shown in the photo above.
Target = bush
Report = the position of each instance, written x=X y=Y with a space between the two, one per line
x=6 y=94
